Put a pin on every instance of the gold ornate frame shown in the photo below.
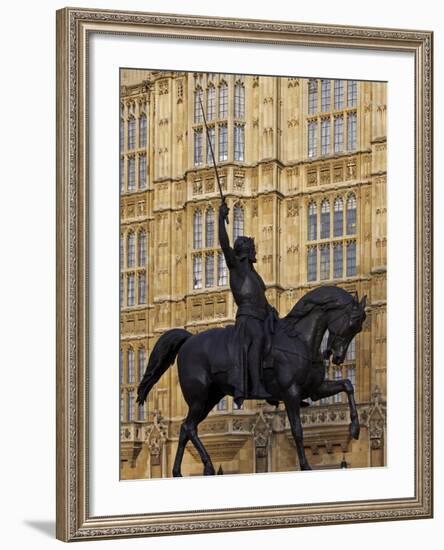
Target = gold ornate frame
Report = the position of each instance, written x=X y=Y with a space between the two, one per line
x=74 y=521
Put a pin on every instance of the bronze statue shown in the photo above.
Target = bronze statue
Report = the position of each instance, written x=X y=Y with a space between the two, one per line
x=261 y=356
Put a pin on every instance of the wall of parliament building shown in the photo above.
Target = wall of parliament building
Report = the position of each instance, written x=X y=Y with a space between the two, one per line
x=302 y=163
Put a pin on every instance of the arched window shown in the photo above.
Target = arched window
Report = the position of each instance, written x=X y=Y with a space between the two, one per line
x=239 y=142
x=352 y=93
x=238 y=221
x=197 y=229
x=198 y=146
x=339 y=94
x=211 y=143
x=223 y=100
x=131 y=174
x=239 y=100
x=351 y=215
x=337 y=375
x=121 y=135
x=197 y=109
x=142 y=288
x=121 y=291
x=312 y=232
x=223 y=142
x=209 y=227
x=142 y=248
x=130 y=363
x=141 y=363
x=325 y=219
x=211 y=102
x=338 y=217
x=131 y=133
x=131 y=250
x=142 y=130
x=352 y=131
x=142 y=171
x=325 y=95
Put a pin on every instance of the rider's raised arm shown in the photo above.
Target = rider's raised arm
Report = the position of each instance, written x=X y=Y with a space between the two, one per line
x=223 y=236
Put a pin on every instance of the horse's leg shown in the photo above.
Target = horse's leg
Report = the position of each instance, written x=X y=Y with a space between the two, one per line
x=198 y=411
x=292 y=400
x=332 y=387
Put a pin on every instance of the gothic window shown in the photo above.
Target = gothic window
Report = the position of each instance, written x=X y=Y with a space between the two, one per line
x=141 y=363
x=130 y=290
x=325 y=219
x=239 y=142
x=131 y=133
x=312 y=96
x=121 y=291
x=339 y=94
x=325 y=95
x=351 y=131
x=198 y=147
x=239 y=100
x=338 y=133
x=325 y=261
x=312 y=260
x=352 y=93
x=211 y=103
x=122 y=408
x=142 y=288
x=142 y=130
x=351 y=215
x=238 y=221
x=130 y=363
x=223 y=142
x=122 y=175
x=142 y=171
x=142 y=248
x=325 y=136
x=197 y=229
x=221 y=270
x=351 y=259
x=209 y=269
x=337 y=260
x=131 y=174
x=223 y=100
x=209 y=227
x=141 y=413
x=131 y=250
x=312 y=222
x=197 y=271
x=130 y=406
x=312 y=138
x=338 y=217
x=211 y=134
x=197 y=109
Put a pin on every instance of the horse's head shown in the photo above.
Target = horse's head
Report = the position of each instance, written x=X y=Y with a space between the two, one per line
x=344 y=323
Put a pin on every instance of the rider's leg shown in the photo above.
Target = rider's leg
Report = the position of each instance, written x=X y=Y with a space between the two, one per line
x=255 y=352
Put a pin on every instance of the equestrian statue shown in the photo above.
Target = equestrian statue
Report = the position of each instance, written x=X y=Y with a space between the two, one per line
x=261 y=356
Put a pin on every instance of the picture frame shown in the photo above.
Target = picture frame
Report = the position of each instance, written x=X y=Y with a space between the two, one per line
x=75 y=520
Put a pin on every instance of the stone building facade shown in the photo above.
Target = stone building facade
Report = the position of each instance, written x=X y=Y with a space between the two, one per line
x=303 y=166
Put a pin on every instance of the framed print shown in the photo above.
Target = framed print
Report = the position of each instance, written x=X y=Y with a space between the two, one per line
x=222 y=186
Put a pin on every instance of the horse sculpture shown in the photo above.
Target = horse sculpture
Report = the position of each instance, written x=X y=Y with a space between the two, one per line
x=293 y=370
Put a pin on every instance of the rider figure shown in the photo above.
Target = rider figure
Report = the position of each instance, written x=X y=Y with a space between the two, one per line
x=248 y=290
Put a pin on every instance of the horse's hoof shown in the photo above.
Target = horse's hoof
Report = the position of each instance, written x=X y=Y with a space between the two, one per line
x=210 y=471
x=354 y=430
x=306 y=467
x=177 y=474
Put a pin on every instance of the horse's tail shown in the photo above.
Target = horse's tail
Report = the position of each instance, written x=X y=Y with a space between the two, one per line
x=163 y=356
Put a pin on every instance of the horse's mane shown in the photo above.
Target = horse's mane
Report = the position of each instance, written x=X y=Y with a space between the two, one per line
x=325 y=297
